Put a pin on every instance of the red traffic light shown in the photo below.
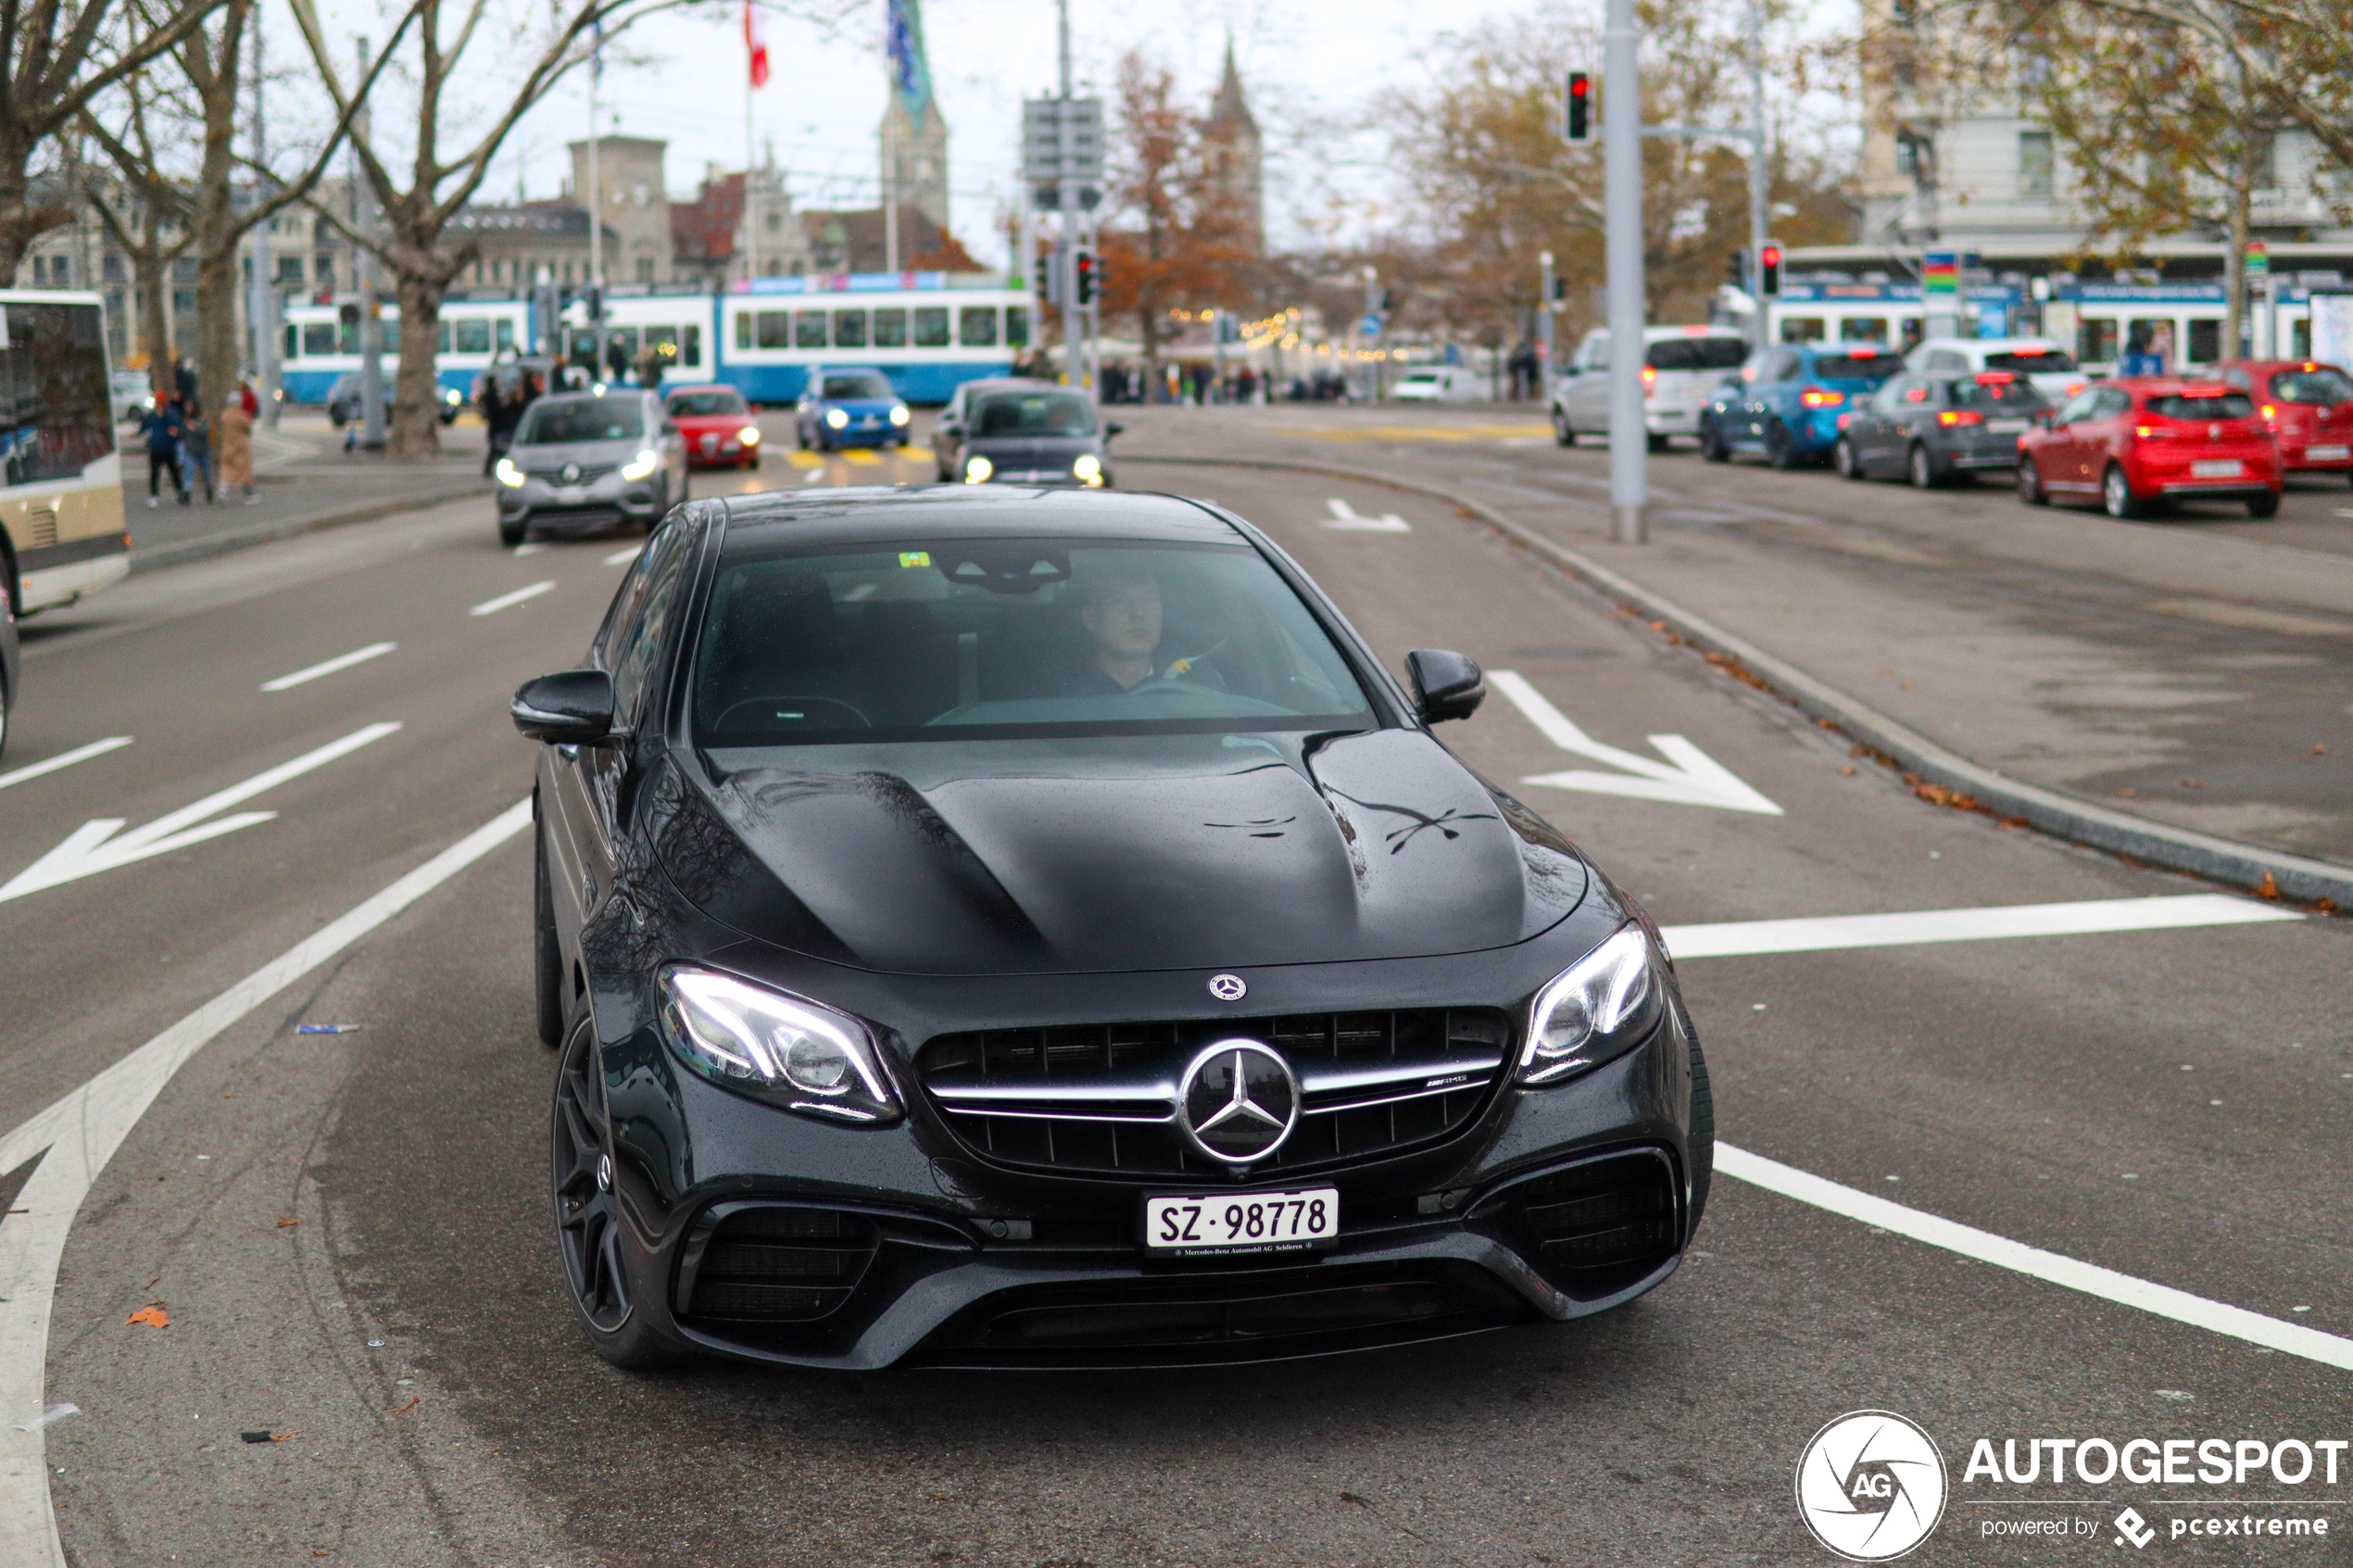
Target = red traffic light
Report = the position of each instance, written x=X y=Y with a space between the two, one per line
x=1577 y=108
x=1769 y=270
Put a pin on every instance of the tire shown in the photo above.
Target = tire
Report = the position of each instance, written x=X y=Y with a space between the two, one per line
x=1923 y=468
x=7 y=616
x=547 y=952
x=601 y=1261
x=1563 y=435
x=512 y=533
x=1843 y=459
x=1779 y=450
x=2116 y=493
x=1703 y=1137
x=2263 y=506
x=1660 y=442
x=1711 y=444
x=686 y=489
x=2029 y=484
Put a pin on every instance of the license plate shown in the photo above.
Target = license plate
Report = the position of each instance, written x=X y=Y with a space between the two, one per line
x=2328 y=454
x=1242 y=1221
x=2006 y=427
x=710 y=444
x=570 y=495
x=2227 y=468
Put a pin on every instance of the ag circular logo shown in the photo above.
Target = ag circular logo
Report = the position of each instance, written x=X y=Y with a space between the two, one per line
x=1227 y=987
x=1871 y=1485
x=1238 y=1101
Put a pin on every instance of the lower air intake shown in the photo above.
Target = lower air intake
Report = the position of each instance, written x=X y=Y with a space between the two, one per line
x=768 y=1264
x=1597 y=1227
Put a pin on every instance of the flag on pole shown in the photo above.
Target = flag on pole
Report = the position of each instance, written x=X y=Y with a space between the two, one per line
x=756 y=45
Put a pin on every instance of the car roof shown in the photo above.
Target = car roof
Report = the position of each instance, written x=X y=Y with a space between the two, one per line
x=771 y=520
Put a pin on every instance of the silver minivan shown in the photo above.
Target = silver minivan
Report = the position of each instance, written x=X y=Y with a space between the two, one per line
x=1681 y=369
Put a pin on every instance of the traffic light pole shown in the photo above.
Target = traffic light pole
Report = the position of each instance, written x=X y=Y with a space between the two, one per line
x=1757 y=216
x=1622 y=203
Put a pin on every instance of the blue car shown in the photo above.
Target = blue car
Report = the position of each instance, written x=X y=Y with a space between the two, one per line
x=850 y=407
x=1789 y=401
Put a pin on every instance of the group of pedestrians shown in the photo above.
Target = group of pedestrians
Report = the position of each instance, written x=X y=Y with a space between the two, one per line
x=182 y=440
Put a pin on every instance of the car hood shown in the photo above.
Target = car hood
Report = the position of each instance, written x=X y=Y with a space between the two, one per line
x=1138 y=853
x=1015 y=451
x=697 y=423
x=859 y=405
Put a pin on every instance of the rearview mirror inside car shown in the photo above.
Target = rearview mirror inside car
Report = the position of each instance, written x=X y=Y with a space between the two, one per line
x=570 y=707
x=1446 y=684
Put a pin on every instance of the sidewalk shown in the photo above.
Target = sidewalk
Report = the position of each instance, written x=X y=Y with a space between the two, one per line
x=2187 y=674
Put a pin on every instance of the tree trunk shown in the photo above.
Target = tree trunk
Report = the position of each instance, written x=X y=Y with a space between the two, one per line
x=151 y=277
x=416 y=400
x=217 y=230
x=2234 y=265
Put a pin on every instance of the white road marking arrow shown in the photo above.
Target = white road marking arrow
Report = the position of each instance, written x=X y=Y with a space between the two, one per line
x=94 y=845
x=1344 y=515
x=1688 y=777
x=65 y=760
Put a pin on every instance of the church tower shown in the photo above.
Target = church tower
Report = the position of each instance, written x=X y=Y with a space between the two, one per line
x=1235 y=170
x=915 y=136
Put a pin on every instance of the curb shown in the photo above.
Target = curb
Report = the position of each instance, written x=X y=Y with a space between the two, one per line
x=181 y=552
x=1936 y=773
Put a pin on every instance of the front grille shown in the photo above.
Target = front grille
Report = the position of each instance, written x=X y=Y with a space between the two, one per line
x=781 y=1265
x=589 y=473
x=1100 y=1098
x=1597 y=1226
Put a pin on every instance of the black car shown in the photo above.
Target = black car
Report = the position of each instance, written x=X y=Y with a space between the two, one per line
x=345 y=403
x=1019 y=431
x=1929 y=429
x=1028 y=927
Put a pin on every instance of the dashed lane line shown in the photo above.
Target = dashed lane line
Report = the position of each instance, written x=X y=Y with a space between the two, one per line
x=329 y=666
x=508 y=601
x=64 y=759
x=623 y=558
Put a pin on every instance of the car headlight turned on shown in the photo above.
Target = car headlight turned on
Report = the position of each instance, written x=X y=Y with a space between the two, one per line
x=898 y=413
x=774 y=1047
x=642 y=465
x=508 y=473
x=978 y=468
x=1597 y=1010
x=1087 y=470
x=749 y=435
x=838 y=418
x=449 y=395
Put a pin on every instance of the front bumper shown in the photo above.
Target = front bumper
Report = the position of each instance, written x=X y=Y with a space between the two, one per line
x=605 y=499
x=2000 y=452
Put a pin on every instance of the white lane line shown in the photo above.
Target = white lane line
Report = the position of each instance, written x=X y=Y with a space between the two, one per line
x=623 y=558
x=505 y=601
x=328 y=667
x=1346 y=517
x=2163 y=1300
x=1688 y=777
x=1728 y=938
x=80 y=1133
x=94 y=845
x=64 y=759
x=531 y=549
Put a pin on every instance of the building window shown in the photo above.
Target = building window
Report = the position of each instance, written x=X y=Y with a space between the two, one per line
x=326 y=267
x=2036 y=165
x=1907 y=156
x=645 y=269
x=290 y=270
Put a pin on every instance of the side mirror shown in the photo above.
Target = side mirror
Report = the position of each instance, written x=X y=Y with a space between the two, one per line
x=1111 y=429
x=1446 y=685
x=574 y=708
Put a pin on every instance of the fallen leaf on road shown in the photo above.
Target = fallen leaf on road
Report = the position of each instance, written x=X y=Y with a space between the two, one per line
x=284 y=1221
x=2269 y=889
x=155 y=1315
x=399 y=1409
x=2319 y=751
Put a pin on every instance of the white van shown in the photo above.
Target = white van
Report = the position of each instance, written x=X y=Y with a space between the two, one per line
x=2043 y=361
x=1681 y=369
x=1440 y=383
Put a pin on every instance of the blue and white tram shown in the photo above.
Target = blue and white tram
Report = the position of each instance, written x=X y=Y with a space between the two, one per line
x=928 y=338
x=320 y=345
x=676 y=328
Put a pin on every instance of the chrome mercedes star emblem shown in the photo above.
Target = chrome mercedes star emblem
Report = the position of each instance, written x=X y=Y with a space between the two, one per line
x=1227 y=987
x=1238 y=1102
x=572 y=472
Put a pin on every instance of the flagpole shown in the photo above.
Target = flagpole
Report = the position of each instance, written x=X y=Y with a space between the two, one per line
x=751 y=140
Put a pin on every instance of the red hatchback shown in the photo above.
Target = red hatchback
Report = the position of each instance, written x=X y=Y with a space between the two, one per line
x=2133 y=443
x=717 y=424
x=2308 y=407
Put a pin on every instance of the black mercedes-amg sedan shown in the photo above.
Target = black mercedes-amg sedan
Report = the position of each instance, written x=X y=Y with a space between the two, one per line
x=1015 y=927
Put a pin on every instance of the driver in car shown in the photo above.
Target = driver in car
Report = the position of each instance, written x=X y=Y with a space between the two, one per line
x=1121 y=614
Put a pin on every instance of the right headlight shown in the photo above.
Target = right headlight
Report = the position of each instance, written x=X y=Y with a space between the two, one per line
x=1597 y=1010
x=508 y=473
x=782 y=1050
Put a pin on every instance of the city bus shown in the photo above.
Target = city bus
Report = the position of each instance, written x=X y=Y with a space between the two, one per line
x=61 y=528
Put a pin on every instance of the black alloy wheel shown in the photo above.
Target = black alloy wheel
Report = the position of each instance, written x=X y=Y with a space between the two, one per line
x=2029 y=484
x=591 y=1233
x=1660 y=442
x=1923 y=467
x=547 y=952
x=2116 y=493
x=1711 y=443
x=1779 y=450
x=2263 y=506
x=1563 y=435
x=1843 y=459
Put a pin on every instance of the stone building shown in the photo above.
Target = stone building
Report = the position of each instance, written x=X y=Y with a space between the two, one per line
x=914 y=134
x=1236 y=158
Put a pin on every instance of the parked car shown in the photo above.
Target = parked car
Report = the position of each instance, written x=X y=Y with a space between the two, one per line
x=1440 y=383
x=343 y=400
x=2134 y=442
x=1009 y=431
x=2308 y=406
x=717 y=425
x=1787 y=401
x=2043 y=361
x=850 y=407
x=1931 y=428
x=1680 y=367
x=586 y=459
x=130 y=393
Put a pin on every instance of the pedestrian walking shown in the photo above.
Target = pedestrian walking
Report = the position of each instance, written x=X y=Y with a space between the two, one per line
x=195 y=454
x=498 y=420
x=184 y=382
x=160 y=425
x=236 y=446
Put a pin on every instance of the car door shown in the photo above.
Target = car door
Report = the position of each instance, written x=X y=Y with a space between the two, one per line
x=2060 y=460
x=2098 y=434
x=1880 y=422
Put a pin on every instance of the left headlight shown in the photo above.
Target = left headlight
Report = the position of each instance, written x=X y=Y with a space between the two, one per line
x=898 y=413
x=641 y=466
x=775 y=1047
x=749 y=435
x=449 y=395
x=837 y=418
x=1087 y=469
x=978 y=468
x=1597 y=1010
x=508 y=473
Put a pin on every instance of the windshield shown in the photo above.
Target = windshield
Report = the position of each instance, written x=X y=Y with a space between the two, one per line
x=2322 y=385
x=1034 y=413
x=2202 y=406
x=1988 y=392
x=857 y=383
x=1696 y=353
x=692 y=403
x=553 y=422
x=2056 y=361
x=1858 y=366
x=995 y=638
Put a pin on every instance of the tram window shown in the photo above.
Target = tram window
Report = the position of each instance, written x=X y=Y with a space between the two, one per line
x=775 y=329
x=2095 y=340
x=318 y=337
x=742 y=329
x=392 y=335
x=1912 y=333
x=506 y=329
x=2300 y=339
x=850 y=329
x=1863 y=329
x=890 y=328
x=627 y=337
x=2206 y=341
x=662 y=343
x=472 y=334
x=931 y=326
x=293 y=340
x=441 y=337
x=978 y=327
x=809 y=329
x=1016 y=326
x=1801 y=329
x=690 y=344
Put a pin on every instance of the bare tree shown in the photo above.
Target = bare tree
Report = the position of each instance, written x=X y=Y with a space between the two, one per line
x=148 y=221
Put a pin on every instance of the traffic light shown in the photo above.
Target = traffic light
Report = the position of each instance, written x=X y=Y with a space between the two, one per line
x=1577 y=108
x=1736 y=268
x=1770 y=280
x=1560 y=289
x=1084 y=279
